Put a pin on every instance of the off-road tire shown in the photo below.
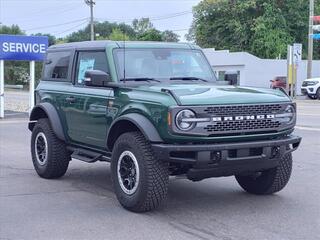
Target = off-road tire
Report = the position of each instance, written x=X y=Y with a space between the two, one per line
x=270 y=181
x=154 y=174
x=58 y=157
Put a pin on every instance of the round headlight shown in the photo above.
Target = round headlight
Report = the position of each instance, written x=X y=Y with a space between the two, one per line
x=289 y=109
x=182 y=120
x=288 y=116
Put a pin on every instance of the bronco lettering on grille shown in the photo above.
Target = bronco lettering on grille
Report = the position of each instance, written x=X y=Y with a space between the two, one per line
x=243 y=118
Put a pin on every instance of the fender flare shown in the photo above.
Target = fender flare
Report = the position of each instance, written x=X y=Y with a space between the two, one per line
x=141 y=122
x=53 y=116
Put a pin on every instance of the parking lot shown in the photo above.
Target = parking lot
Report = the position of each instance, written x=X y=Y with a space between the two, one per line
x=82 y=205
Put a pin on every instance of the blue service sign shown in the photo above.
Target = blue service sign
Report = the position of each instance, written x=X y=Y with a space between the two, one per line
x=27 y=48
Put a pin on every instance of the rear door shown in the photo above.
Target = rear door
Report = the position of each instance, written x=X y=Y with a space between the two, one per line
x=86 y=107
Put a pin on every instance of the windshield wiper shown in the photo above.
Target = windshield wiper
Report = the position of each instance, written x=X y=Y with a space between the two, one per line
x=139 y=79
x=188 y=79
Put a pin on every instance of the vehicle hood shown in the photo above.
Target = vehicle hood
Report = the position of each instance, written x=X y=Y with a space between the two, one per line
x=205 y=94
x=312 y=79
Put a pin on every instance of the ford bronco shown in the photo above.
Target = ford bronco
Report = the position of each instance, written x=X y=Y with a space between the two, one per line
x=155 y=110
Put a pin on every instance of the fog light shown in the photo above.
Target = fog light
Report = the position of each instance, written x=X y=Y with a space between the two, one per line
x=275 y=152
x=215 y=156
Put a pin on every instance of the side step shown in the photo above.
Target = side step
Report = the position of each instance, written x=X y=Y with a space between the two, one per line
x=88 y=156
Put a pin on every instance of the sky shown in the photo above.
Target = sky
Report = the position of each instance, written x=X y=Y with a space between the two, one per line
x=61 y=17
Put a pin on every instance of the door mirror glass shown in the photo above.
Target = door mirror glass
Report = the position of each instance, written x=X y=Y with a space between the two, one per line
x=96 y=78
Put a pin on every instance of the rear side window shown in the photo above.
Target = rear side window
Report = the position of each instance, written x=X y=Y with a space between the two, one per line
x=94 y=60
x=57 y=66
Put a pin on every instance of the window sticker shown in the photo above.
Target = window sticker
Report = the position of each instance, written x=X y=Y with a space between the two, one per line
x=85 y=65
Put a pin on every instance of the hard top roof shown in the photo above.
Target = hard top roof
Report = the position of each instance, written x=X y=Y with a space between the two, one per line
x=120 y=44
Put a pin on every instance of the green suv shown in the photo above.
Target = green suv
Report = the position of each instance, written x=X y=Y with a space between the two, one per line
x=155 y=110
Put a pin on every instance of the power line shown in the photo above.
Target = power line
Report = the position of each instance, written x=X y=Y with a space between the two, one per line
x=167 y=16
x=171 y=16
x=56 y=25
x=157 y=18
x=69 y=29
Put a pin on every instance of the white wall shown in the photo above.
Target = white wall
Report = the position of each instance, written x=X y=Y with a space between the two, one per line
x=255 y=71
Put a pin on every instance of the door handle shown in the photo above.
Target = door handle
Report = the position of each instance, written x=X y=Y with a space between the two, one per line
x=71 y=99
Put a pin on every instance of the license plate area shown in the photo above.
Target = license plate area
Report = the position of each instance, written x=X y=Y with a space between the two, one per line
x=245 y=152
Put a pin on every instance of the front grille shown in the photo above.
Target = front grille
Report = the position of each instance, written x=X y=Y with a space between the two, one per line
x=304 y=84
x=232 y=120
x=243 y=110
x=242 y=126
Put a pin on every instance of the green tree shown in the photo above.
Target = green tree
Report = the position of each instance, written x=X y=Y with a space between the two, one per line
x=150 y=35
x=13 y=29
x=271 y=34
x=51 y=39
x=261 y=27
x=141 y=26
x=104 y=29
x=116 y=35
x=169 y=36
x=141 y=29
x=128 y=30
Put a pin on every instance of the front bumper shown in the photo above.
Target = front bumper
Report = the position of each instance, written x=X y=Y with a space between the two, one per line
x=216 y=160
x=310 y=90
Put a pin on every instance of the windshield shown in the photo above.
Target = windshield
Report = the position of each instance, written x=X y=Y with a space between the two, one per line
x=163 y=64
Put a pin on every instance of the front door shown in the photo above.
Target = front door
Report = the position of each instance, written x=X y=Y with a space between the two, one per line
x=86 y=107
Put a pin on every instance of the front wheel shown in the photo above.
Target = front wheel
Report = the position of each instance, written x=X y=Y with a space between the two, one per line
x=269 y=181
x=140 y=180
x=49 y=154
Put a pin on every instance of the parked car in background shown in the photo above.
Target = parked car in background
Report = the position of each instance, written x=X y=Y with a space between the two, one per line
x=279 y=82
x=311 y=88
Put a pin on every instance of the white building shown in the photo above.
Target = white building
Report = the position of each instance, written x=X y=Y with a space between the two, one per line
x=254 y=71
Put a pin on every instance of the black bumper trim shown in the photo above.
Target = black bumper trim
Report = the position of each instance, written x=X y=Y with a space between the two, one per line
x=199 y=157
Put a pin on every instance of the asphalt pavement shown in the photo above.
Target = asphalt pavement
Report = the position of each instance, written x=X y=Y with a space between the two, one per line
x=82 y=205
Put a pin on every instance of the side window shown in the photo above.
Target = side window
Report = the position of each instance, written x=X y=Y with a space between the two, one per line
x=90 y=61
x=56 y=66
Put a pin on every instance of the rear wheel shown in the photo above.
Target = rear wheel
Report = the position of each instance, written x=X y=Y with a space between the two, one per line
x=268 y=181
x=140 y=180
x=49 y=154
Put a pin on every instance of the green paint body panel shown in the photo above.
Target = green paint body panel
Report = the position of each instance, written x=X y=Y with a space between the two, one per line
x=87 y=120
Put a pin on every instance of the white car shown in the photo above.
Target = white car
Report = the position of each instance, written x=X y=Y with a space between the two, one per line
x=311 y=87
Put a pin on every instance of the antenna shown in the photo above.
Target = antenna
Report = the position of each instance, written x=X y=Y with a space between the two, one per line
x=124 y=56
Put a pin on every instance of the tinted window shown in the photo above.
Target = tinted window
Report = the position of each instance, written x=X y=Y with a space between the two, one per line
x=90 y=61
x=57 y=66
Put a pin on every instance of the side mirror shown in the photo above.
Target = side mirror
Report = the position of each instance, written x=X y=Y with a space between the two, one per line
x=96 y=78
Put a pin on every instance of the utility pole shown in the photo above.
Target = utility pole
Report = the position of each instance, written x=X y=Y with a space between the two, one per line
x=91 y=3
x=310 y=39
